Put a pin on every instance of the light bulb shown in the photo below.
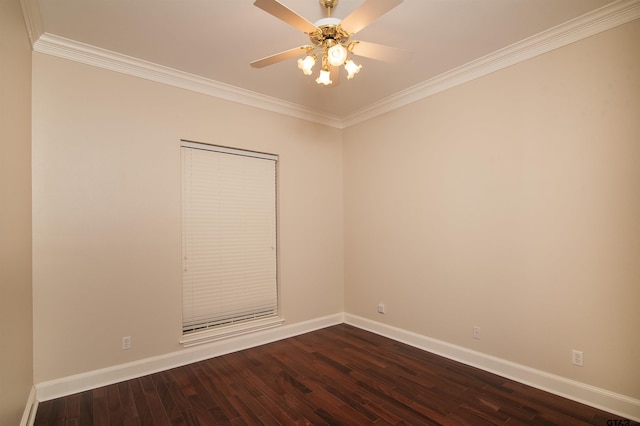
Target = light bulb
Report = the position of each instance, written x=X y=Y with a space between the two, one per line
x=337 y=54
x=306 y=64
x=352 y=68
x=325 y=77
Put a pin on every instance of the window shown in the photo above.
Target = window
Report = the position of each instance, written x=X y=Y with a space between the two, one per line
x=229 y=248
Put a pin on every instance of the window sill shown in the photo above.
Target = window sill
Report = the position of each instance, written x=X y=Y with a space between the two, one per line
x=206 y=336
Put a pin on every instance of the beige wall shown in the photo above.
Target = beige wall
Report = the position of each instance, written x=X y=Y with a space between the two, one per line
x=511 y=203
x=106 y=199
x=16 y=360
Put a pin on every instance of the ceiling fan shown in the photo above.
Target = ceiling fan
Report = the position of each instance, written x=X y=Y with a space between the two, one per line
x=330 y=37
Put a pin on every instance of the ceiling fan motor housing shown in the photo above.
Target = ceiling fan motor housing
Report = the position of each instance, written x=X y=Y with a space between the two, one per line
x=329 y=29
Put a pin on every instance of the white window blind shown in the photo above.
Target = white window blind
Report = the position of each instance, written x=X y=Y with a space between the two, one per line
x=229 y=237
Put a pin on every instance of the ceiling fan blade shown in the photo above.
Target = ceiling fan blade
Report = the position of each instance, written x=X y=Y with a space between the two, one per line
x=285 y=14
x=366 y=13
x=380 y=52
x=270 y=60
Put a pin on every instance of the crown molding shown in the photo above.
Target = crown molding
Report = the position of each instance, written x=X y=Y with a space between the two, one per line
x=599 y=20
x=32 y=19
x=592 y=23
x=84 y=53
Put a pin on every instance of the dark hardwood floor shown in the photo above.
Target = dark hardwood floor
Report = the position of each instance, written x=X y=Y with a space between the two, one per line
x=340 y=375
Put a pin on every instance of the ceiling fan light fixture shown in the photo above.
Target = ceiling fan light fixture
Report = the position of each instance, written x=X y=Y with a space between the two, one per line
x=351 y=68
x=306 y=64
x=325 y=77
x=337 y=54
x=329 y=38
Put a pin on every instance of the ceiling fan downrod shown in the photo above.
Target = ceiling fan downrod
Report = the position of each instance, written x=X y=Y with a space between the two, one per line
x=329 y=4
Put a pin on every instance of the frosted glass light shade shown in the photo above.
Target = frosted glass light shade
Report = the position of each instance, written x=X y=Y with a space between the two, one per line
x=306 y=64
x=325 y=78
x=336 y=55
x=351 y=68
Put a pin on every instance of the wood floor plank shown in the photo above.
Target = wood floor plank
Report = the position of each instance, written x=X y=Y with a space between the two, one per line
x=156 y=405
x=56 y=412
x=43 y=416
x=128 y=409
x=72 y=410
x=339 y=375
x=142 y=406
x=169 y=404
x=249 y=411
x=183 y=406
x=113 y=406
x=100 y=407
x=86 y=408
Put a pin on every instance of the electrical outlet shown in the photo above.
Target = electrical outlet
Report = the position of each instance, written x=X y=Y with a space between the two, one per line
x=126 y=342
x=577 y=358
x=381 y=308
x=476 y=332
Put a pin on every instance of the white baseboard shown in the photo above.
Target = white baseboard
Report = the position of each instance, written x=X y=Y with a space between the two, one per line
x=118 y=373
x=586 y=394
x=596 y=397
x=30 y=409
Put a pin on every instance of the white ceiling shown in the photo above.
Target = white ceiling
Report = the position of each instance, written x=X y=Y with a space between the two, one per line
x=217 y=39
